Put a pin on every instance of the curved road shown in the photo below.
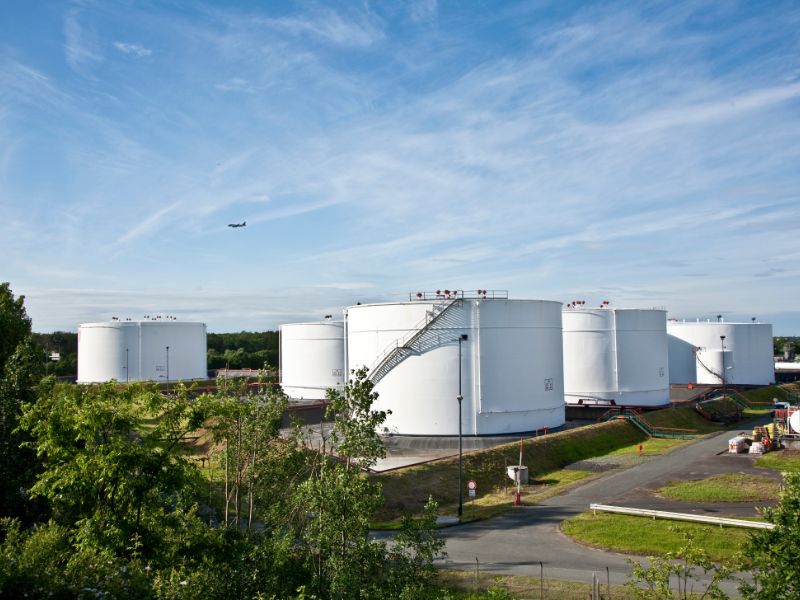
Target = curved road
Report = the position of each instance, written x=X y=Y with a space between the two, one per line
x=517 y=541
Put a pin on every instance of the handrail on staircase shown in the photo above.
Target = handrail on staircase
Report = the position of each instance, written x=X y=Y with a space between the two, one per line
x=403 y=344
x=634 y=415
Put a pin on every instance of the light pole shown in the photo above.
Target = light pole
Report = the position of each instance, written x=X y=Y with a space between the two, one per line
x=167 y=368
x=722 y=341
x=461 y=338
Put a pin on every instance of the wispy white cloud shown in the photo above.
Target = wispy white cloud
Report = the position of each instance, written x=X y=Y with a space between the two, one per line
x=356 y=28
x=54 y=308
x=134 y=49
x=236 y=84
x=612 y=149
x=80 y=47
x=292 y=210
x=708 y=113
x=150 y=224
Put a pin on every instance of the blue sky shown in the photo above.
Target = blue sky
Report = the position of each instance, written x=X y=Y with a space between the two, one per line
x=638 y=152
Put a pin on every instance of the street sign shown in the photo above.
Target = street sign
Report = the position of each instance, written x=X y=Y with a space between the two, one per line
x=471 y=493
x=472 y=485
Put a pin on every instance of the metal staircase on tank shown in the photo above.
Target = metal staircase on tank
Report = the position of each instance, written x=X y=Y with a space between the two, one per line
x=421 y=339
x=423 y=336
x=719 y=376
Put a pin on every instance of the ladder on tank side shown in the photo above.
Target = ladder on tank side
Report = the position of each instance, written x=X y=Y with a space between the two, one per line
x=417 y=341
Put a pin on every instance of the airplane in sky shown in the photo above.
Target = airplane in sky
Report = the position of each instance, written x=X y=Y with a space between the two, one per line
x=235 y=225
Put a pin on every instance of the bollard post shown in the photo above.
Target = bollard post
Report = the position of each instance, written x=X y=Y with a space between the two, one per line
x=608 y=582
x=541 y=580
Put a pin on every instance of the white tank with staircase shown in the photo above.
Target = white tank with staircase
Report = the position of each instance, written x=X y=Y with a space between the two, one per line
x=503 y=356
x=716 y=352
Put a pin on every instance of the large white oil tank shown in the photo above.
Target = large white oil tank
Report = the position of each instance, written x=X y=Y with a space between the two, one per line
x=148 y=350
x=615 y=356
x=312 y=359
x=743 y=357
x=503 y=356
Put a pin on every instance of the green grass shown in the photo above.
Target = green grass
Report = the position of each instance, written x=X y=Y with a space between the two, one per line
x=724 y=409
x=651 y=447
x=541 y=487
x=407 y=490
x=686 y=417
x=762 y=399
x=648 y=537
x=730 y=487
x=780 y=460
x=466 y=586
x=501 y=500
x=680 y=417
x=766 y=395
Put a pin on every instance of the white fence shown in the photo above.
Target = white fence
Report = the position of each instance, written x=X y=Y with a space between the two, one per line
x=660 y=514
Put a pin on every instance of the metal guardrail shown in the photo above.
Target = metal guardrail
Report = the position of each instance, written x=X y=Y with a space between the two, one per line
x=661 y=514
x=634 y=416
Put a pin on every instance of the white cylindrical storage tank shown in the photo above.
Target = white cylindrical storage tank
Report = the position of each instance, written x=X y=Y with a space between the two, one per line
x=107 y=351
x=511 y=371
x=152 y=350
x=744 y=357
x=312 y=359
x=616 y=356
x=172 y=350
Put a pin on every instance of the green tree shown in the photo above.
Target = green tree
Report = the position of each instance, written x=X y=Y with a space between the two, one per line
x=115 y=469
x=66 y=344
x=125 y=496
x=340 y=499
x=20 y=372
x=260 y=466
x=654 y=581
x=775 y=553
x=415 y=549
x=355 y=425
x=245 y=349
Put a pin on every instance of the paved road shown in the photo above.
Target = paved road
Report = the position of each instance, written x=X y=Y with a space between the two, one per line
x=516 y=542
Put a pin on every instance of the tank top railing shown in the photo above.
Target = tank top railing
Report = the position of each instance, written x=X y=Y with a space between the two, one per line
x=404 y=347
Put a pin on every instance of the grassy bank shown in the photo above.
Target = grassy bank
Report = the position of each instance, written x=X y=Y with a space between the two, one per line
x=681 y=417
x=648 y=537
x=651 y=447
x=407 y=490
x=489 y=585
x=686 y=417
x=766 y=395
x=730 y=487
x=781 y=460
